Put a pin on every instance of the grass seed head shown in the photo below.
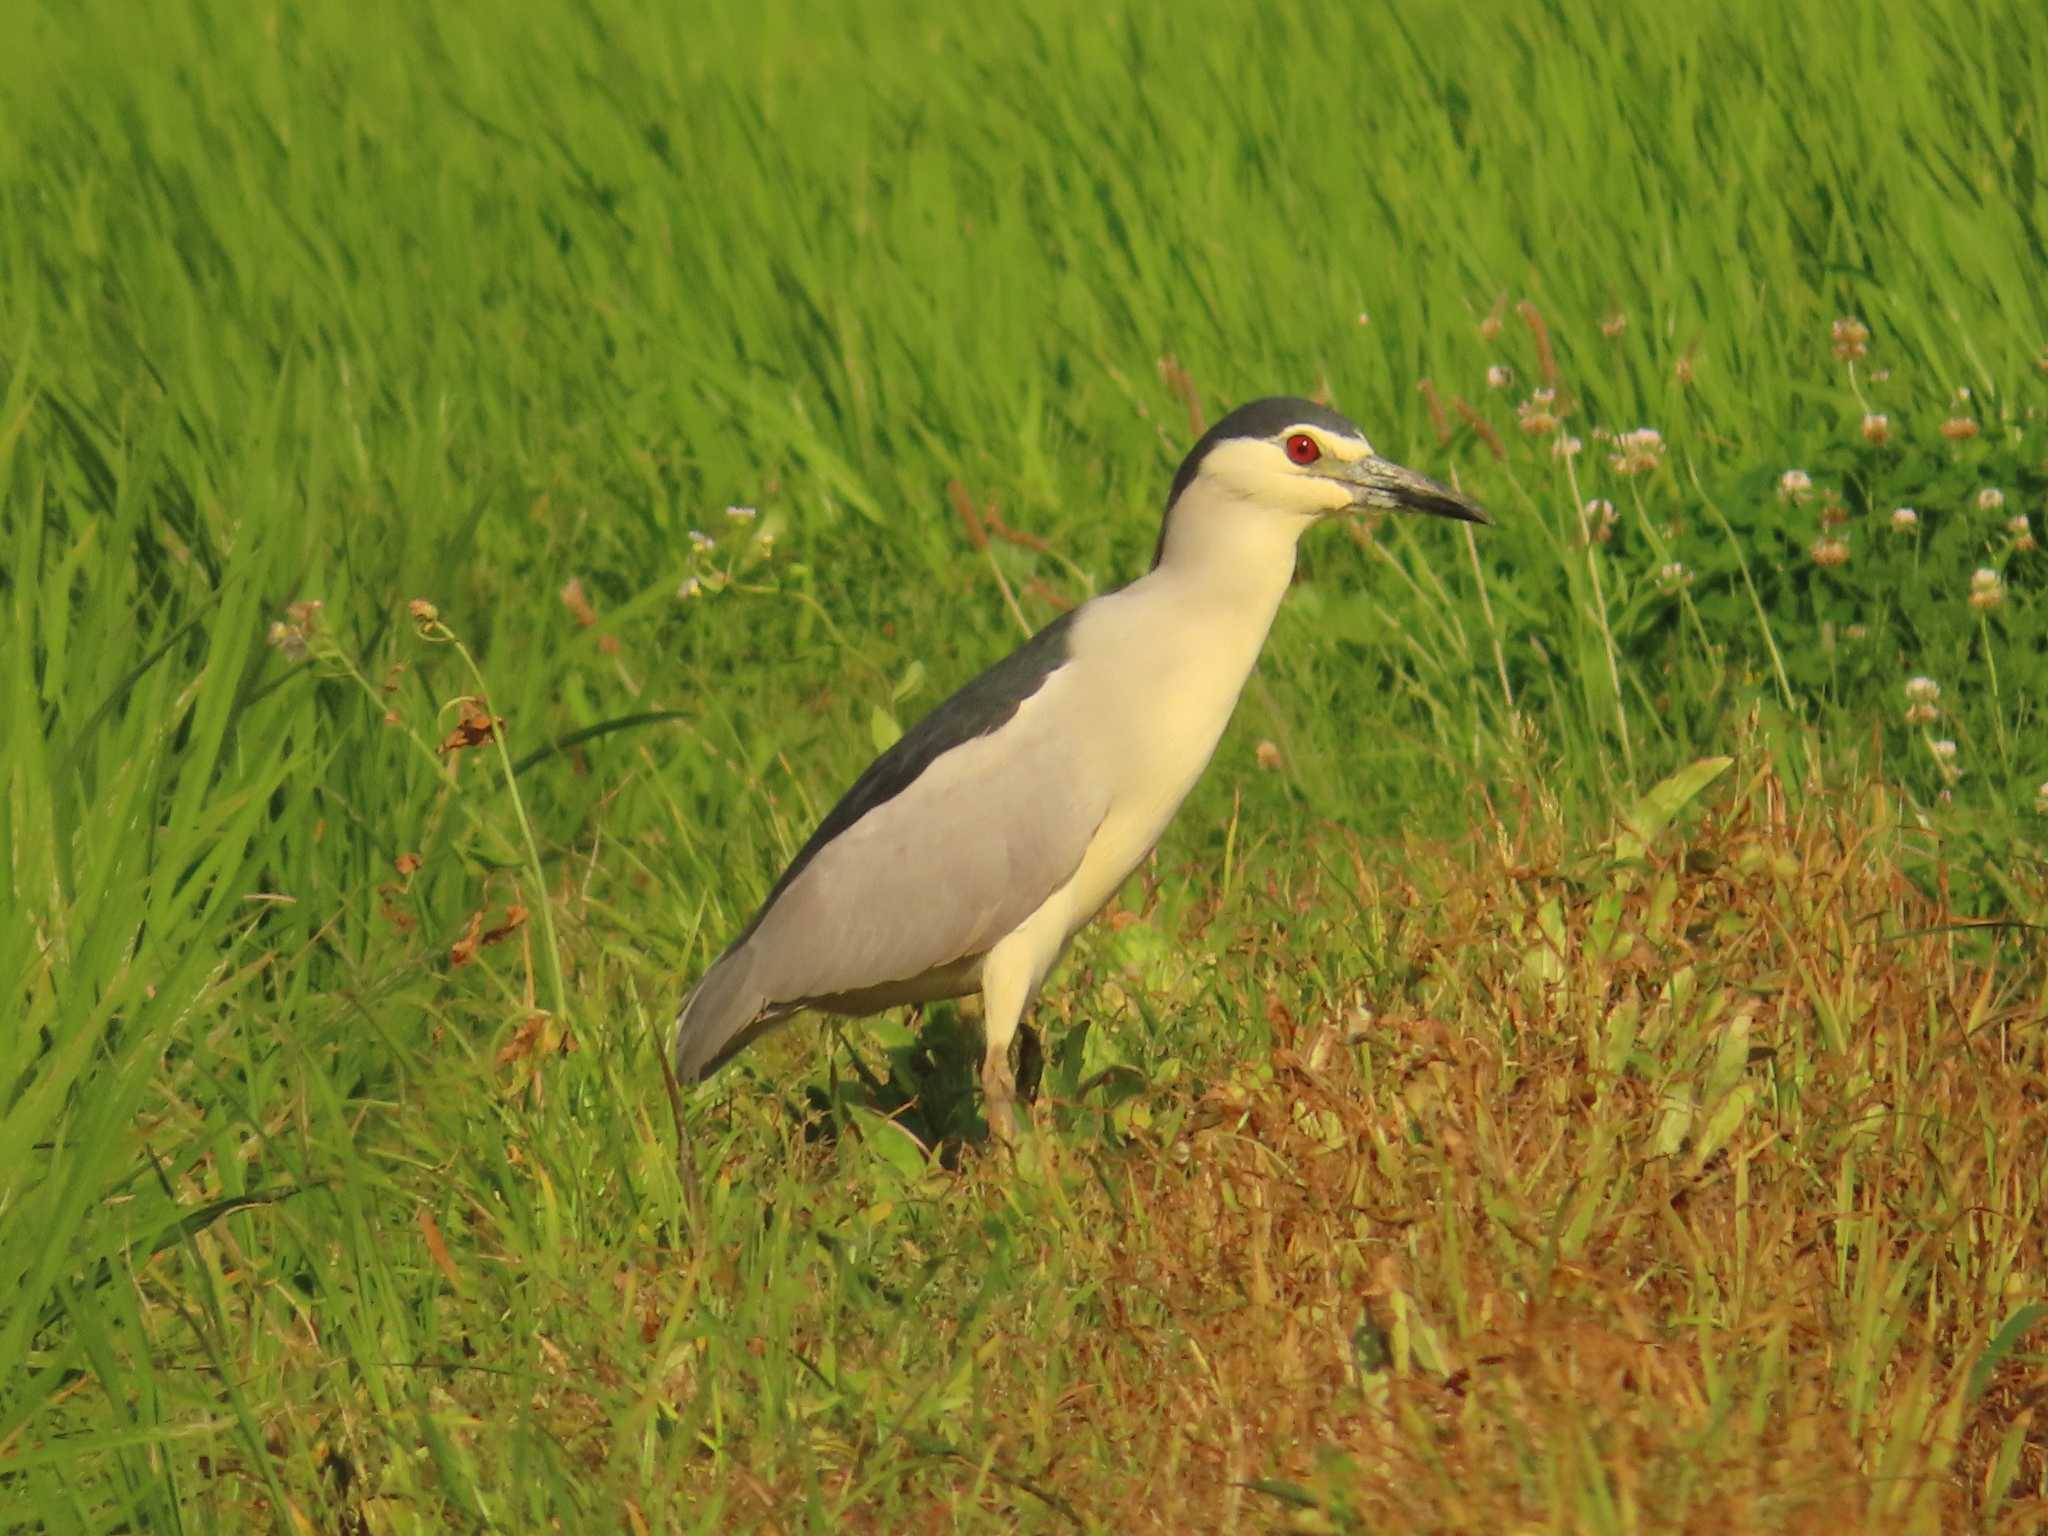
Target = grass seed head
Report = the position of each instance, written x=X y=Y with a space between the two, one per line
x=287 y=639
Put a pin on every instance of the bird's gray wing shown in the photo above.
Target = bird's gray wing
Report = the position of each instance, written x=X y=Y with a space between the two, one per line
x=950 y=840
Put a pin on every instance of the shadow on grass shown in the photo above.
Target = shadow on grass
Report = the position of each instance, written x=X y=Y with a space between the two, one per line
x=932 y=1088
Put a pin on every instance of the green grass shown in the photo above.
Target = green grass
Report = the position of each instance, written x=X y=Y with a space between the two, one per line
x=1396 y=1178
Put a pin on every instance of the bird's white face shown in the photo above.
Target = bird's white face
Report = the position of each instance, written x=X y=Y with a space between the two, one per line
x=1297 y=471
x=1271 y=470
x=1307 y=471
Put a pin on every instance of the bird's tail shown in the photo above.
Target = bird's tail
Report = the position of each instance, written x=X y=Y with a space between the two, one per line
x=722 y=1013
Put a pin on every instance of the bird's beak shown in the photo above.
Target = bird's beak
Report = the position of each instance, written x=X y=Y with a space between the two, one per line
x=1376 y=482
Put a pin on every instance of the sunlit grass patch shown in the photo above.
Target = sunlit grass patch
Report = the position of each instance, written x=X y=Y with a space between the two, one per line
x=1688 y=1175
x=1695 y=1185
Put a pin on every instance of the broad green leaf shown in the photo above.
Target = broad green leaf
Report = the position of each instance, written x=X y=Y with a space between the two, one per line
x=1646 y=820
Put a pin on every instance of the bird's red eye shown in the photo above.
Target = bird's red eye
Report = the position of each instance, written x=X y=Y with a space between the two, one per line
x=1302 y=449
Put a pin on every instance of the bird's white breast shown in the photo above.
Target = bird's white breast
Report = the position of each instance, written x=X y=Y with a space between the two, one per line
x=1165 y=664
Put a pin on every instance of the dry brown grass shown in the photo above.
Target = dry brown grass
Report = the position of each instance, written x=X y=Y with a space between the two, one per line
x=1679 y=1193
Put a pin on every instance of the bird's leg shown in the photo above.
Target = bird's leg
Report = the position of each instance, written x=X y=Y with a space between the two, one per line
x=1006 y=983
x=999 y=1091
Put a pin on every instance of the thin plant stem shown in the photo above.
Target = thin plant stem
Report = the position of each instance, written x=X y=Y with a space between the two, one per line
x=556 y=983
x=1997 y=710
x=1628 y=756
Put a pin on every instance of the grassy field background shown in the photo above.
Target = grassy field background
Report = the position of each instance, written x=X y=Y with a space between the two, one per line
x=1577 y=1063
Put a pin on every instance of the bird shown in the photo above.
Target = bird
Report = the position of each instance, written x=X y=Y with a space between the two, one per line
x=971 y=851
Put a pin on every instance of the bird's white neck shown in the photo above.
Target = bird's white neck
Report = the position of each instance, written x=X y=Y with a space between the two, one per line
x=1233 y=558
x=1168 y=656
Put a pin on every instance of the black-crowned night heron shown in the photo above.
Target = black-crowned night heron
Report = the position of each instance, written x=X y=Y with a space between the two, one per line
x=970 y=852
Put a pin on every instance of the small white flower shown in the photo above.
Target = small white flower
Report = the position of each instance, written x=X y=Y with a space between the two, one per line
x=1499 y=376
x=741 y=514
x=690 y=588
x=1674 y=574
x=1566 y=447
x=1794 y=484
x=2041 y=799
x=701 y=541
x=1962 y=392
x=1987 y=589
x=1544 y=396
x=1922 y=690
x=1877 y=427
x=1636 y=451
x=1904 y=519
x=1990 y=499
x=1943 y=749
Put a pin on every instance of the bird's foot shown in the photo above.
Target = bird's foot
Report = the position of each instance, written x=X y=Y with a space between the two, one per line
x=999 y=1099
